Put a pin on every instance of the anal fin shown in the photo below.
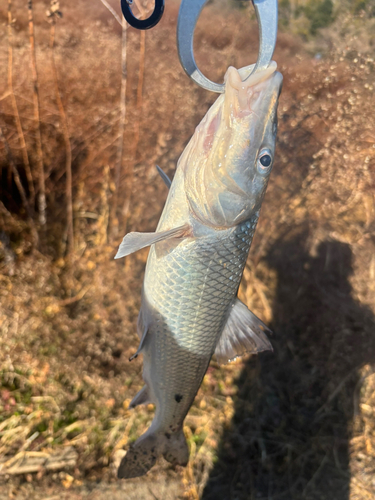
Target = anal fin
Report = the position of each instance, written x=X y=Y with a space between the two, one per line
x=141 y=344
x=243 y=333
x=135 y=241
x=141 y=398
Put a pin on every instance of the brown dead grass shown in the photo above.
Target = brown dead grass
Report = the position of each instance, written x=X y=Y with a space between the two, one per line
x=294 y=424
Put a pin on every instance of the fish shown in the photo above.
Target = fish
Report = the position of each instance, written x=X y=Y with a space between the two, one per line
x=189 y=305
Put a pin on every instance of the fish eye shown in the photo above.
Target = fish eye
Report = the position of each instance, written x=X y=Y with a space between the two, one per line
x=264 y=163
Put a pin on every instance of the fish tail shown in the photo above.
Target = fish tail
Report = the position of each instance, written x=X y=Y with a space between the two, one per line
x=140 y=457
x=176 y=450
x=143 y=453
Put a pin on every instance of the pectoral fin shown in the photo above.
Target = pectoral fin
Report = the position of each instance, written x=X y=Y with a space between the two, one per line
x=243 y=333
x=135 y=241
x=164 y=176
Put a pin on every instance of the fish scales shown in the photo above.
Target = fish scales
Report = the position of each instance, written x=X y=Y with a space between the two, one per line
x=205 y=271
x=189 y=308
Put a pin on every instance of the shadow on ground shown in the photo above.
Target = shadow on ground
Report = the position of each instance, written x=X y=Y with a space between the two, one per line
x=289 y=437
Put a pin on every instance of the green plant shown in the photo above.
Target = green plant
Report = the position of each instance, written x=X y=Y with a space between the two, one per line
x=319 y=13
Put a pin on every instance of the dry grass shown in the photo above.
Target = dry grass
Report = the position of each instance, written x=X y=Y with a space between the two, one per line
x=294 y=424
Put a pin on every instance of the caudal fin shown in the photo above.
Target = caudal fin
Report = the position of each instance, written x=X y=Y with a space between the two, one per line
x=143 y=454
x=176 y=450
x=140 y=457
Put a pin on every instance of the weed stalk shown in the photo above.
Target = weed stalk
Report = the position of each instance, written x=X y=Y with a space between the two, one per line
x=141 y=72
x=42 y=189
x=120 y=147
x=21 y=136
x=52 y=14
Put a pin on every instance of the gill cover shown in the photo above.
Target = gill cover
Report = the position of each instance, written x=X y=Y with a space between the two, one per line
x=228 y=161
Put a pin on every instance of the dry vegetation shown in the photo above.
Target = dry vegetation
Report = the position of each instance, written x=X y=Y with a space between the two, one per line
x=295 y=424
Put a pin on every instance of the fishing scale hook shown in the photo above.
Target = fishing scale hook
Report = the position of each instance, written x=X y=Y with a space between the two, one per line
x=142 y=24
x=266 y=12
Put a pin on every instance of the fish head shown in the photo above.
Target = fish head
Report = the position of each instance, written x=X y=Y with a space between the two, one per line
x=231 y=155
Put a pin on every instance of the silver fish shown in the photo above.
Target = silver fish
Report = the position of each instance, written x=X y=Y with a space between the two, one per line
x=189 y=306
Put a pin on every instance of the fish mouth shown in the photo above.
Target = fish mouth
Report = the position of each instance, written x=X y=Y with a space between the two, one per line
x=247 y=93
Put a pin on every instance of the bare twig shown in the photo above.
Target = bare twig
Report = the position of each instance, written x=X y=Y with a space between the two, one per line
x=120 y=149
x=141 y=70
x=141 y=73
x=76 y=298
x=152 y=493
x=42 y=190
x=29 y=440
x=27 y=462
x=337 y=390
x=46 y=399
x=15 y=108
x=315 y=475
x=112 y=11
x=53 y=13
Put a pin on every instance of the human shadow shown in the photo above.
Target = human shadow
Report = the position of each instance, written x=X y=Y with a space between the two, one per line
x=289 y=437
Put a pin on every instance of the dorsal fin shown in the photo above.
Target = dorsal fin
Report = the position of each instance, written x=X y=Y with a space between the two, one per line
x=164 y=176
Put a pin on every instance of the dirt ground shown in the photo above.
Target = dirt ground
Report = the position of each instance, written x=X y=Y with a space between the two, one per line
x=298 y=423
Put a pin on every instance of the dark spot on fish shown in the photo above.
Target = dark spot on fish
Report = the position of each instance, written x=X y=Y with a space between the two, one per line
x=167 y=435
x=153 y=449
x=178 y=397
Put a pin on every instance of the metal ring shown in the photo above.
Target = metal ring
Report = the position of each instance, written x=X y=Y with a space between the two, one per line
x=142 y=24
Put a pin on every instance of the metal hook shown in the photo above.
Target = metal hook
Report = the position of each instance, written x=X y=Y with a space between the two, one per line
x=266 y=12
x=142 y=24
